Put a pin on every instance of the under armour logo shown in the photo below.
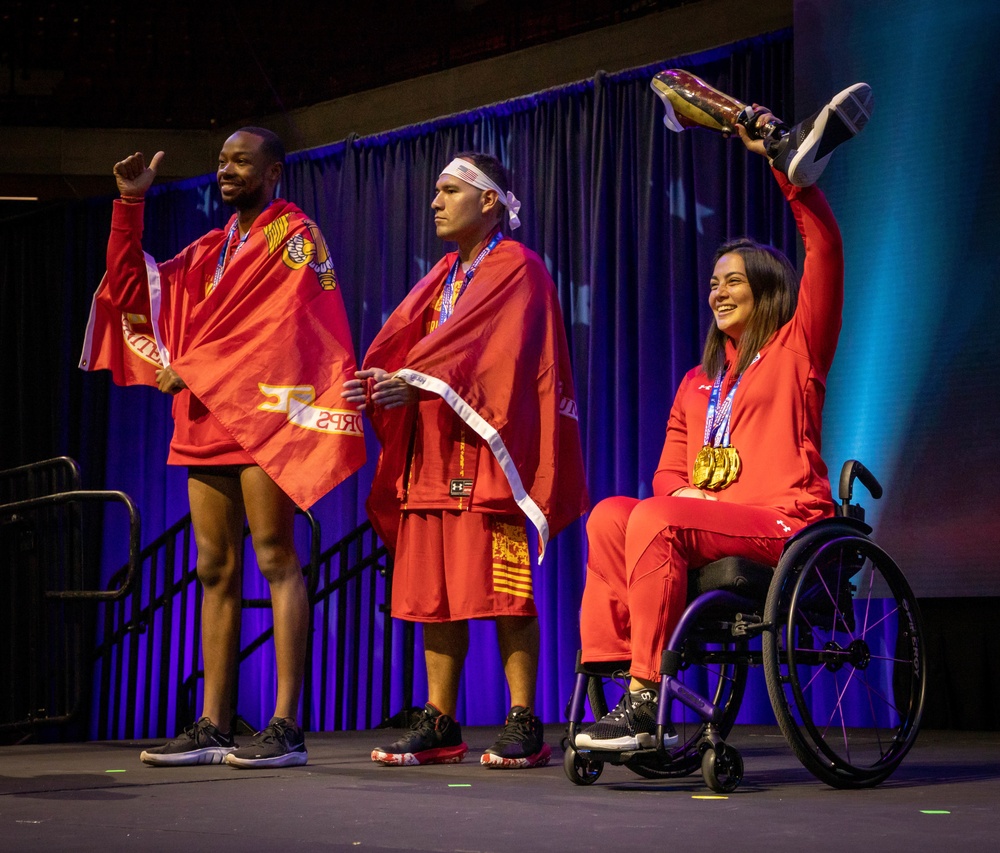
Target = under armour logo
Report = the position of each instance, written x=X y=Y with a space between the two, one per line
x=704 y=387
x=784 y=526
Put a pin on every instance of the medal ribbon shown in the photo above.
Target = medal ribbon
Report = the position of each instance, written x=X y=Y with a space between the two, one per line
x=221 y=265
x=449 y=282
x=717 y=418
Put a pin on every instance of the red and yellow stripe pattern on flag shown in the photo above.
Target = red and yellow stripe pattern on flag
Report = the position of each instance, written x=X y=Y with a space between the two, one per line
x=511 y=560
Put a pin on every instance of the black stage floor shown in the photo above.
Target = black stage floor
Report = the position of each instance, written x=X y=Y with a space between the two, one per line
x=98 y=796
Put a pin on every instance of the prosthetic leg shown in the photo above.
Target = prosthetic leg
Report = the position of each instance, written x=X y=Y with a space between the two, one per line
x=801 y=152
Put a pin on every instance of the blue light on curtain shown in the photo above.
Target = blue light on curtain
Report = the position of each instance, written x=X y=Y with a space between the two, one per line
x=920 y=229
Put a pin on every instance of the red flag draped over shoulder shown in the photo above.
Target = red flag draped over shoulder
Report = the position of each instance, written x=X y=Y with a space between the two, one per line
x=502 y=363
x=266 y=351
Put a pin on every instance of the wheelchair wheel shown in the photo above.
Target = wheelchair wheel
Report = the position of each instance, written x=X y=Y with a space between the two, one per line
x=717 y=671
x=579 y=770
x=844 y=664
x=722 y=769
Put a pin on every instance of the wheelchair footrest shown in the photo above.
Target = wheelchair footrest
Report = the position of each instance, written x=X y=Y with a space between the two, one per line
x=616 y=757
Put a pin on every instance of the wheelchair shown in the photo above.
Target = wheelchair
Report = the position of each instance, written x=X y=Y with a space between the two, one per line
x=842 y=646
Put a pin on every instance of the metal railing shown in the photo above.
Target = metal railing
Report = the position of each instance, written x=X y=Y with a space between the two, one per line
x=142 y=653
x=48 y=623
x=352 y=670
x=148 y=658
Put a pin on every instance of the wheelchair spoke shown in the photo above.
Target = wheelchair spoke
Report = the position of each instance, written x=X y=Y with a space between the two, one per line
x=875 y=625
x=846 y=668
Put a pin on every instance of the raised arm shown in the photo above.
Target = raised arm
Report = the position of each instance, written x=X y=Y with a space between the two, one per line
x=821 y=292
x=126 y=266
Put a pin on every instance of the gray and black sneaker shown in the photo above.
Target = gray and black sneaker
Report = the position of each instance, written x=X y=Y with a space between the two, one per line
x=804 y=151
x=630 y=725
x=434 y=738
x=521 y=743
x=280 y=744
x=200 y=743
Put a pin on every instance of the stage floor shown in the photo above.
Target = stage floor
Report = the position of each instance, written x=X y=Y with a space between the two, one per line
x=98 y=796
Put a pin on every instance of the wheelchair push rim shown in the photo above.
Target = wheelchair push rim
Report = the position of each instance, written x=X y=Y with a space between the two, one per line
x=844 y=664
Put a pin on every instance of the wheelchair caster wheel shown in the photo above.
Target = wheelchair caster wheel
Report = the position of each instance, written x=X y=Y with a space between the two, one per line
x=579 y=770
x=722 y=768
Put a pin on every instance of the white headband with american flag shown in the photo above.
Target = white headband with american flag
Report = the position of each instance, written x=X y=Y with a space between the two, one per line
x=471 y=175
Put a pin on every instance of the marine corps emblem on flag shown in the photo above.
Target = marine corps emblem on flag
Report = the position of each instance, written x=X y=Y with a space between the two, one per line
x=300 y=250
x=274 y=233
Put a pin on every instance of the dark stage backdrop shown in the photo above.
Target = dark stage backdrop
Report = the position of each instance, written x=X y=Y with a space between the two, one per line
x=625 y=214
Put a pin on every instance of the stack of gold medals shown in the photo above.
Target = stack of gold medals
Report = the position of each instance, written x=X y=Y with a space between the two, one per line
x=715 y=467
x=717 y=464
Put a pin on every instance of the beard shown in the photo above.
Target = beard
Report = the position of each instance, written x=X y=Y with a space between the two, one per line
x=246 y=199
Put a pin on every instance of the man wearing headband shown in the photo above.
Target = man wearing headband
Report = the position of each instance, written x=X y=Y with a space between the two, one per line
x=470 y=390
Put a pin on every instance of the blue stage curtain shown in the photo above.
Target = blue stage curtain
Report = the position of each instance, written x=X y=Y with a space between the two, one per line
x=626 y=215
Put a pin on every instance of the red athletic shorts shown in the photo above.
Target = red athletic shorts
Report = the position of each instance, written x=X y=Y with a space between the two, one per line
x=452 y=566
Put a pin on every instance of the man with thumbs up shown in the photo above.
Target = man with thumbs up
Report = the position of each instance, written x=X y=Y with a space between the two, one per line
x=244 y=316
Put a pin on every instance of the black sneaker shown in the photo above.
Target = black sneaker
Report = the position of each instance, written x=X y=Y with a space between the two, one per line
x=434 y=738
x=630 y=725
x=200 y=743
x=280 y=744
x=803 y=152
x=521 y=743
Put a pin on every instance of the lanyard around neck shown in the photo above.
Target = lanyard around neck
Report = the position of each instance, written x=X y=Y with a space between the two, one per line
x=717 y=417
x=447 y=304
x=224 y=254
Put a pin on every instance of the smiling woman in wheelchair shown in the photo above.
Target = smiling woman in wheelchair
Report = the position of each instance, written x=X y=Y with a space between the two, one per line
x=740 y=471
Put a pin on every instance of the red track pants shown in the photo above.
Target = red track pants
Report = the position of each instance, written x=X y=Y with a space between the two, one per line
x=640 y=552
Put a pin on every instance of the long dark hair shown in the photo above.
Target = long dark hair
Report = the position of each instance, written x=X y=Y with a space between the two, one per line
x=774 y=284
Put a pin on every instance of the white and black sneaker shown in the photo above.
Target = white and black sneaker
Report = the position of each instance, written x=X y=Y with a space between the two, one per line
x=200 y=743
x=630 y=725
x=280 y=744
x=804 y=151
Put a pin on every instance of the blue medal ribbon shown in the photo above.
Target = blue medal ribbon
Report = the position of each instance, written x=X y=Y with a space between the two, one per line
x=718 y=417
x=449 y=283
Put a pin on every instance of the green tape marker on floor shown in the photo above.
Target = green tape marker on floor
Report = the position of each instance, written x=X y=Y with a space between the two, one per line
x=114 y=771
x=463 y=785
x=934 y=811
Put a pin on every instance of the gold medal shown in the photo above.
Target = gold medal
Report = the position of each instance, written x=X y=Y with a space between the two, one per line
x=721 y=470
x=704 y=465
x=735 y=464
x=717 y=467
x=731 y=468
